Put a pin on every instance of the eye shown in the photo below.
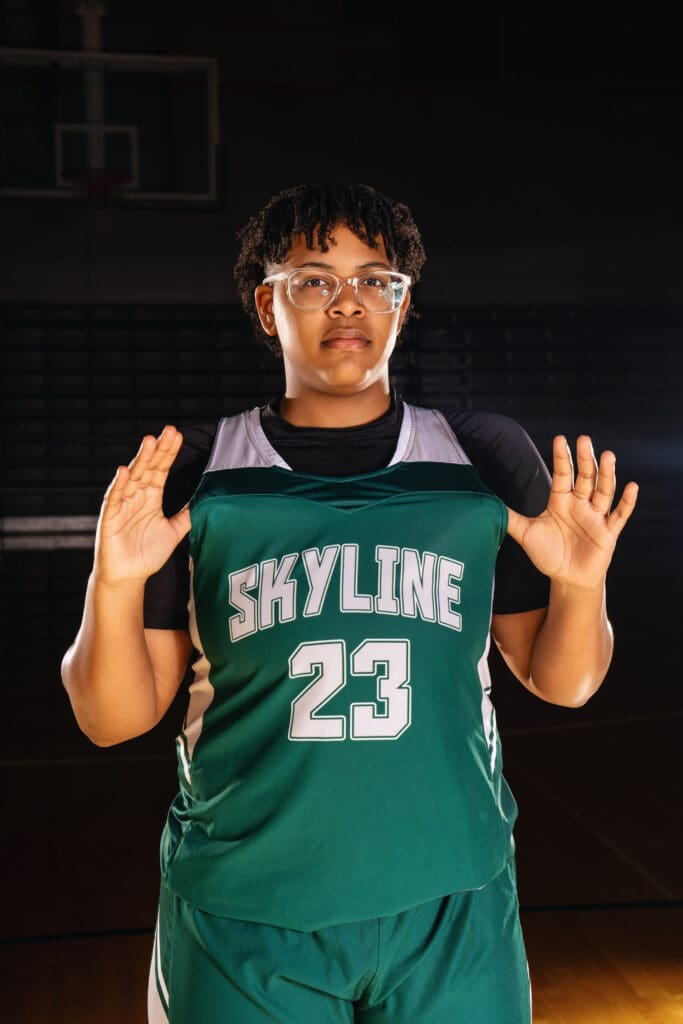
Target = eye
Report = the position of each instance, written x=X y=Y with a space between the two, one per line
x=313 y=282
x=378 y=281
x=309 y=281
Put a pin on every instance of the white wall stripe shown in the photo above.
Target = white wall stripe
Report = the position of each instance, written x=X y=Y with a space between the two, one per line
x=47 y=533
x=47 y=542
x=48 y=524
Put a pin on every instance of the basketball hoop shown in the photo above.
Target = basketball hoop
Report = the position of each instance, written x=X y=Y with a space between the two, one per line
x=97 y=186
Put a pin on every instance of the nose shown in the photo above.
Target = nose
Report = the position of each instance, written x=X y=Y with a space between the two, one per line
x=346 y=303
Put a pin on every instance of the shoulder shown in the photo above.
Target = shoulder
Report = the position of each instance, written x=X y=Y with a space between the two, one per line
x=185 y=474
x=198 y=438
x=503 y=455
x=487 y=431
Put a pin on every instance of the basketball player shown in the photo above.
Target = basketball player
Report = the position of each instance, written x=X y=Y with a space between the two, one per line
x=341 y=846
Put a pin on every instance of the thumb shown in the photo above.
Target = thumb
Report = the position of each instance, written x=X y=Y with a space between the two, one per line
x=517 y=525
x=181 y=522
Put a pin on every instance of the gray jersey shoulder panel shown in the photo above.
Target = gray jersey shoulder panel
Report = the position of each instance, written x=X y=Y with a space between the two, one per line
x=241 y=444
x=425 y=436
x=431 y=438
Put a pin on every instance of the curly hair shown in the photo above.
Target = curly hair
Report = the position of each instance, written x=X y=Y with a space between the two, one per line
x=314 y=211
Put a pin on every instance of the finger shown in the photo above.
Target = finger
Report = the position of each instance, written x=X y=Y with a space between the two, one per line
x=168 y=445
x=138 y=464
x=563 y=470
x=139 y=474
x=113 y=495
x=149 y=467
x=152 y=453
x=587 y=468
x=603 y=495
x=617 y=520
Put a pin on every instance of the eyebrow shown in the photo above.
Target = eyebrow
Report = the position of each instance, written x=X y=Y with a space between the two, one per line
x=330 y=267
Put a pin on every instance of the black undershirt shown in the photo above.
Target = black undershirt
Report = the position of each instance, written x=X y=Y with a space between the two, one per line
x=334 y=451
x=499 y=449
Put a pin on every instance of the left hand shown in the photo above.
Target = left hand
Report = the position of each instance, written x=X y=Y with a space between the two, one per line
x=572 y=541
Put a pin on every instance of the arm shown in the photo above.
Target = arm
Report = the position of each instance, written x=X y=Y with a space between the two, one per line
x=562 y=654
x=120 y=677
x=541 y=648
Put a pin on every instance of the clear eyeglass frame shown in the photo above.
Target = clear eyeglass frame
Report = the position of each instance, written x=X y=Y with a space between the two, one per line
x=288 y=275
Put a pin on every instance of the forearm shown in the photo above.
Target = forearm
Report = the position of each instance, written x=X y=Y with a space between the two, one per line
x=573 y=647
x=107 y=671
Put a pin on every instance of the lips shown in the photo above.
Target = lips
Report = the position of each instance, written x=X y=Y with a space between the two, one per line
x=346 y=338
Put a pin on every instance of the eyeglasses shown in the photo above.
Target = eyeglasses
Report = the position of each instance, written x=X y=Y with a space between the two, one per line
x=379 y=291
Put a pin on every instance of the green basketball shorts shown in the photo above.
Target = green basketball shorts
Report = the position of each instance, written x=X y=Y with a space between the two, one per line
x=455 y=960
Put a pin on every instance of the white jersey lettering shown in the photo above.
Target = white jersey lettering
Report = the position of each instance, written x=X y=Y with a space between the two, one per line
x=410 y=583
x=319 y=566
x=448 y=592
x=244 y=623
x=387 y=559
x=277 y=588
x=351 y=600
x=417 y=584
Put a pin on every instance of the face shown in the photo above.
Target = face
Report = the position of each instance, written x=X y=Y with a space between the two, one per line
x=344 y=349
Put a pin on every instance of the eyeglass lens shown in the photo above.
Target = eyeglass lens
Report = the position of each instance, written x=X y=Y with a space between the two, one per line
x=378 y=291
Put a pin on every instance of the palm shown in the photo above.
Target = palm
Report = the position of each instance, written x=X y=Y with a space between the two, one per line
x=134 y=537
x=572 y=541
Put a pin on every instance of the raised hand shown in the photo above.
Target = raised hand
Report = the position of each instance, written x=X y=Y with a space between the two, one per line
x=572 y=541
x=134 y=538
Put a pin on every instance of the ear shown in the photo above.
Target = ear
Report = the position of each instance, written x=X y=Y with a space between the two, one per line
x=263 y=297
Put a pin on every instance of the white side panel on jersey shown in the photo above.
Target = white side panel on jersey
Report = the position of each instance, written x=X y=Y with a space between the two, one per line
x=428 y=438
x=201 y=690
x=488 y=713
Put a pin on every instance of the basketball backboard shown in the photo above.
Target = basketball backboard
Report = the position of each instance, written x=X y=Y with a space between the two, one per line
x=147 y=122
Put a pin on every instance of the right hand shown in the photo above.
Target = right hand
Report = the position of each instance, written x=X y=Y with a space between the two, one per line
x=134 y=538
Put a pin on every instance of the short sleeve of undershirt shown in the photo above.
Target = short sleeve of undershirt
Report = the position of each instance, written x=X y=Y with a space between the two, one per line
x=167 y=591
x=507 y=461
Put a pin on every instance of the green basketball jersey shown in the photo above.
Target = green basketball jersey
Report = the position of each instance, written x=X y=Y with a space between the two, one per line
x=340 y=758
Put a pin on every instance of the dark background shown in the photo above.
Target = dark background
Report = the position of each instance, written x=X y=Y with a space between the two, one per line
x=540 y=149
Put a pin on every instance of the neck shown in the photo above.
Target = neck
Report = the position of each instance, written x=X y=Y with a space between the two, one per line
x=317 y=409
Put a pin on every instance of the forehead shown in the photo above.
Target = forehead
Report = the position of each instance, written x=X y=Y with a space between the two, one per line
x=345 y=249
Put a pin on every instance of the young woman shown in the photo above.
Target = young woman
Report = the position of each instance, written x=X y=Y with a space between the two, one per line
x=341 y=846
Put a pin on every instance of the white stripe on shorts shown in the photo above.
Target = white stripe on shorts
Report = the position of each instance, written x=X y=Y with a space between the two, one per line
x=156 y=1011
